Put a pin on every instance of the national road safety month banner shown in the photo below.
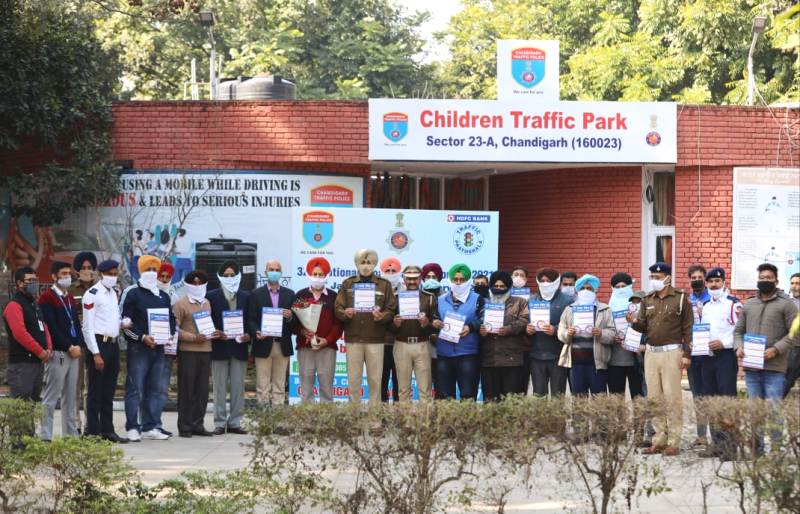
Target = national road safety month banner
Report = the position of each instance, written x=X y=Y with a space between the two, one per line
x=413 y=236
x=522 y=131
x=766 y=224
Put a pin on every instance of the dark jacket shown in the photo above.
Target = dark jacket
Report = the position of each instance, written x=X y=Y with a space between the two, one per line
x=261 y=298
x=507 y=351
x=27 y=333
x=224 y=349
x=137 y=301
x=411 y=327
x=362 y=327
x=329 y=326
x=59 y=317
x=543 y=346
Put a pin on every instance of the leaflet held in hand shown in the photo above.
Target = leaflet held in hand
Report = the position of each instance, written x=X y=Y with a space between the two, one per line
x=754 y=347
x=633 y=340
x=271 y=321
x=494 y=316
x=701 y=337
x=620 y=323
x=452 y=325
x=364 y=297
x=521 y=292
x=204 y=324
x=583 y=319
x=539 y=313
x=408 y=304
x=158 y=325
x=233 y=323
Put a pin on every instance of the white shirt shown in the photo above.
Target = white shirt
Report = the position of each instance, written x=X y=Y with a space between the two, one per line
x=100 y=315
x=722 y=316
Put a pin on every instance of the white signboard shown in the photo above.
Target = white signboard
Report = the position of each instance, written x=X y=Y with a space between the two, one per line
x=412 y=236
x=527 y=70
x=508 y=131
x=766 y=224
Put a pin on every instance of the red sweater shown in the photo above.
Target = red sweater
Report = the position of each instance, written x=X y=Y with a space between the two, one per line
x=16 y=323
x=329 y=326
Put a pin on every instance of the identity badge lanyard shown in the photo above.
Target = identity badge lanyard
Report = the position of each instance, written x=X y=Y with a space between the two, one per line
x=72 y=331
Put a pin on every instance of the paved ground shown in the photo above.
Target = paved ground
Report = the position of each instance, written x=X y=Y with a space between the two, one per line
x=158 y=460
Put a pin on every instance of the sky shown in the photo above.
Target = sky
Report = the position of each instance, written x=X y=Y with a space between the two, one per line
x=441 y=11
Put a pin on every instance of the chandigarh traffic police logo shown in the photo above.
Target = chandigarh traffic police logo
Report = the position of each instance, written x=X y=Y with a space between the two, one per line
x=317 y=228
x=395 y=126
x=527 y=66
x=468 y=239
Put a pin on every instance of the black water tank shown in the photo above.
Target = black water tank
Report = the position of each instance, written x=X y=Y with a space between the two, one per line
x=210 y=256
x=265 y=87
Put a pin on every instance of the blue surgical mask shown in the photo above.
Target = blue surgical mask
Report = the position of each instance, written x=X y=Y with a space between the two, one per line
x=273 y=276
x=431 y=283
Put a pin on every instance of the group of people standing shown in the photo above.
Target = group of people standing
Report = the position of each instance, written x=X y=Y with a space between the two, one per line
x=494 y=332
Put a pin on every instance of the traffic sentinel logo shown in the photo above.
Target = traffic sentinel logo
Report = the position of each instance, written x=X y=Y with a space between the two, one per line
x=468 y=239
x=468 y=218
x=395 y=126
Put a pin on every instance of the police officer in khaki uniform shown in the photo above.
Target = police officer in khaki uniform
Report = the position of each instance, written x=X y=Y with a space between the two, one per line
x=84 y=264
x=666 y=319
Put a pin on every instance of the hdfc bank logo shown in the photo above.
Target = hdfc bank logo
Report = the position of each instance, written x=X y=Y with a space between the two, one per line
x=395 y=126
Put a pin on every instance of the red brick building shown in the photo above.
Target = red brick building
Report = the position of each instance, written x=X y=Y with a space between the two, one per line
x=593 y=218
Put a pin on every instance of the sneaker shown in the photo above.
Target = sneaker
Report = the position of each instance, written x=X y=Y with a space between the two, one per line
x=134 y=436
x=155 y=435
x=165 y=432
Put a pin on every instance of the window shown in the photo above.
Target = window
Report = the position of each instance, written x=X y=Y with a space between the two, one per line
x=387 y=191
x=658 y=219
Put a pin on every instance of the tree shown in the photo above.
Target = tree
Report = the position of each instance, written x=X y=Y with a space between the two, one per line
x=689 y=51
x=58 y=84
x=330 y=48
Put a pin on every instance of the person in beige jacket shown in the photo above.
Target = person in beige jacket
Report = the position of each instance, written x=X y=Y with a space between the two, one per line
x=587 y=348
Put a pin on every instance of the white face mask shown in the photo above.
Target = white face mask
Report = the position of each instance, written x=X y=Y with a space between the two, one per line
x=195 y=292
x=548 y=289
x=657 y=285
x=461 y=291
x=622 y=292
x=317 y=283
x=108 y=281
x=569 y=291
x=164 y=286
x=586 y=297
x=149 y=280
x=231 y=284
x=717 y=293
x=365 y=270
x=518 y=281
x=393 y=278
x=64 y=283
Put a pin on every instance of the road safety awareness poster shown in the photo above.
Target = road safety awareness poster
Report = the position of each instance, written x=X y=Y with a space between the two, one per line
x=412 y=236
x=766 y=224
x=168 y=213
x=522 y=131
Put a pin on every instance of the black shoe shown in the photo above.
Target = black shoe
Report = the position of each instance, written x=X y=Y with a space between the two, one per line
x=237 y=430
x=114 y=438
x=202 y=432
x=219 y=431
x=185 y=434
x=165 y=432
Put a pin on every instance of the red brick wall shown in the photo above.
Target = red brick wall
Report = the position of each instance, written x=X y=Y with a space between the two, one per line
x=581 y=220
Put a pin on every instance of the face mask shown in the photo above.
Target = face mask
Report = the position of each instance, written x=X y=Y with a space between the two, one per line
x=698 y=285
x=164 y=286
x=365 y=270
x=273 y=276
x=657 y=285
x=766 y=286
x=32 y=288
x=548 y=289
x=569 y=291
x=498 y=291
x=85 y=275
x=317 y=283
x=461 y=291
x=481 y=289
x=393 y=278
x=149 y=280
x=431 y=283
x=518 y=281
x=231 y=284
x=196 y=292
x=109 y=281
x=717 y=293
x=586 y=297
x=622 y=292
x=64 y=283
